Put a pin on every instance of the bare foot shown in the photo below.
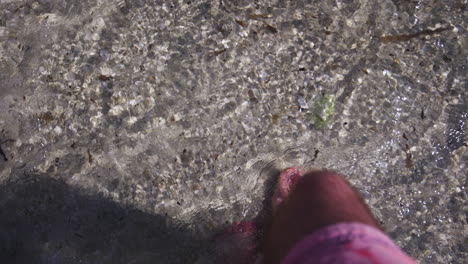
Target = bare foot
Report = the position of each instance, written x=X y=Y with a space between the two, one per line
x=305 y=204
x=286 y=182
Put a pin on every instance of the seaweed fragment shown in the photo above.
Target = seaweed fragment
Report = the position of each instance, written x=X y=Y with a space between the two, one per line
x=323 y=111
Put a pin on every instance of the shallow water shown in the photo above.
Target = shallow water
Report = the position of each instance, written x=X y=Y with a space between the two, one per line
x=175 y=115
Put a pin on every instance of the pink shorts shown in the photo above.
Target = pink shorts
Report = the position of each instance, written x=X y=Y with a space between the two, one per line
x=347 y=243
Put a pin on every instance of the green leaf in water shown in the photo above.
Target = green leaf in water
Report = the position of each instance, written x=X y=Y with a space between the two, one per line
x=323 y=111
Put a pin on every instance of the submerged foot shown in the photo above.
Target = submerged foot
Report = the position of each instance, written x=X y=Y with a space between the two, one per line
x=286 y=182
x=237 y=244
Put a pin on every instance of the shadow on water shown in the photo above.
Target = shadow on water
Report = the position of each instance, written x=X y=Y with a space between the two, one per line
x=263 y=218
x=43 y=220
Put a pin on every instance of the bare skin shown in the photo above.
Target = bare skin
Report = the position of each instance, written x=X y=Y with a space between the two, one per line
x=317 y=199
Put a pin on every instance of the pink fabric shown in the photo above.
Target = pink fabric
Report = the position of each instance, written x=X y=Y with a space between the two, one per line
x=347 y=243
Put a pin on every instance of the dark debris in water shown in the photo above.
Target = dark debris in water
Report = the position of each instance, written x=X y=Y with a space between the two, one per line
x=457 y=118
x=47 y=117
x=258 y=16
x=104 y=77
x=2 y=154
x=407 y=37
x=241 y=23
x=271 y=29
x=216 y=52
